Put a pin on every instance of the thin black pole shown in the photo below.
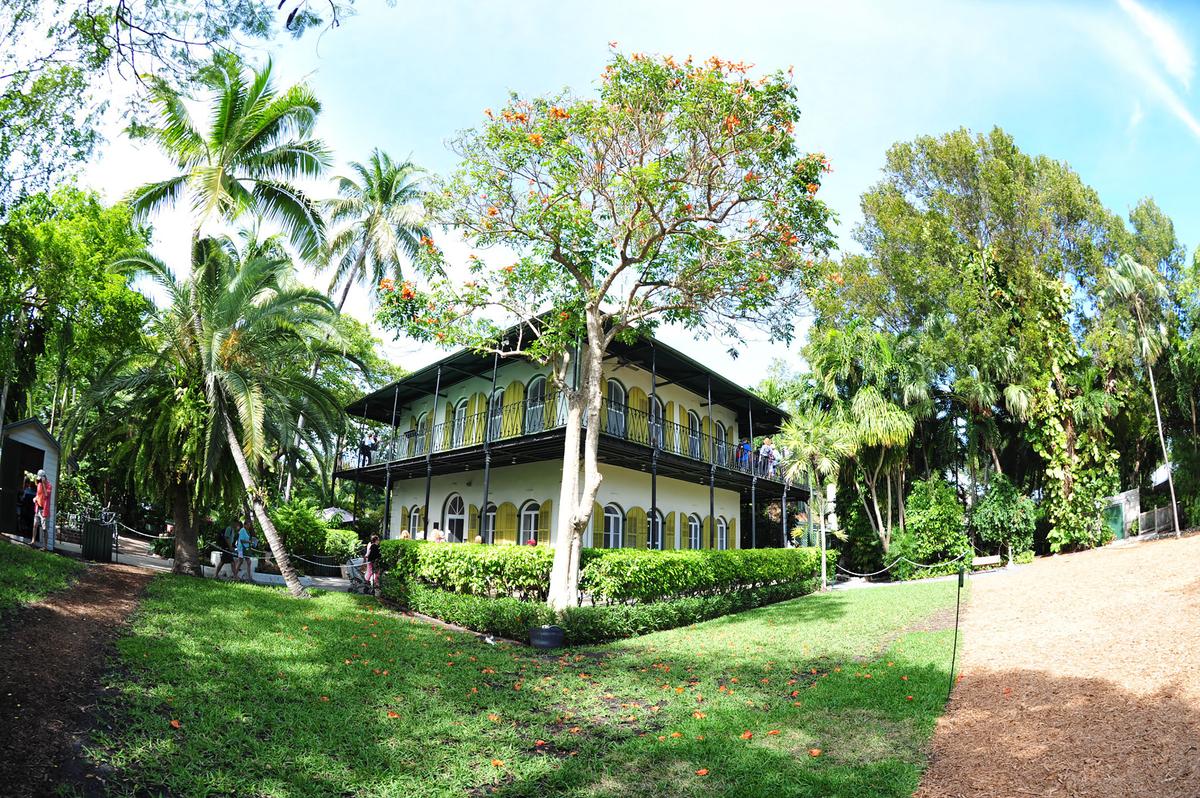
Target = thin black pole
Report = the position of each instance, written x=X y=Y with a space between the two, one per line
x=387 y=498
x=784 y=518
x=753 y=482
x=487 y=454
x=712 y=478
x=437 y=391
x=654 y=441
x=962 y=573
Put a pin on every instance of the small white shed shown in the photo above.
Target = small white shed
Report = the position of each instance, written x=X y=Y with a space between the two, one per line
x=27 y=446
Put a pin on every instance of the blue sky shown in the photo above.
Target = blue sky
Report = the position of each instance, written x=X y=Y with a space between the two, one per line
x=1106 y=86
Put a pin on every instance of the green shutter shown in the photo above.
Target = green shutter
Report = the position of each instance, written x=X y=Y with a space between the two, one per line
x=670 y=443
x=404 y=518
x=513 y=410
x=544 y=514
x=635 y=528
x=706 y=439
x=733 y=538
x=506 y=523
x=472 y=524
x=551 y=411
x=424 y=523
x=637 y=424
x=597 y=526
x=669 y=533
x=706 y=533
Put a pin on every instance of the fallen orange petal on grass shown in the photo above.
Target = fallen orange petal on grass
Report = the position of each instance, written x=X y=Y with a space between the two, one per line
x=175 y=724
x=773 y=731
x=393 y=715
x=746 y=735
x=814 y=752
x=702 y=772
x=494 y=718
x=497 y=763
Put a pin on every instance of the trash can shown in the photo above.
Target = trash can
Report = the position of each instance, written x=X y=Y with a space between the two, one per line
x=97 y=543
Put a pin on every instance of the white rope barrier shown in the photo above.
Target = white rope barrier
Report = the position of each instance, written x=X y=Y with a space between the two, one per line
x=899 y=560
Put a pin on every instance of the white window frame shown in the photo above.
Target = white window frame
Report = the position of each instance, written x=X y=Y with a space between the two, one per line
x=487 y=524
x=460 y=424
x=719 y=436
x=695 y=531
x=616 y=421
x=614 y=527
x=535 y=408
x=722 y=533
x=529 y=510
x=422 y=434
x=414 y=521
x=654 y=520
x=495 y=414
x=695 y=429
x=448 y=517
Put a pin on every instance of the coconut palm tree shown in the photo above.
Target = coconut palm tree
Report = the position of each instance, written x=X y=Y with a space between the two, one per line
x=381 y=223
x=221 y=340
x=1140 y=290
x=818 y=442
x=258 y=142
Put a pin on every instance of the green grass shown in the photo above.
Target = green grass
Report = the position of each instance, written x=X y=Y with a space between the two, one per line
x=334 y=697
x=27 y=575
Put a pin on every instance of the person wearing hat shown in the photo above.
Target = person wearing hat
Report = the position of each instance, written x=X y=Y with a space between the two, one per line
x=41 y=509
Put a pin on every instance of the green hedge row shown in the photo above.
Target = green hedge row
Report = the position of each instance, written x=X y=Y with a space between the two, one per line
x=513 y=618
x=608 y=575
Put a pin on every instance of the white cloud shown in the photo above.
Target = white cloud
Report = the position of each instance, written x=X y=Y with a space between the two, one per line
x=1169 y=47
x=1136 y=115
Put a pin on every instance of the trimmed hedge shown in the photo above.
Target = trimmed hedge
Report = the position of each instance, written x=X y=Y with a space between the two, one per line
x=609 y=575
x=513 y=618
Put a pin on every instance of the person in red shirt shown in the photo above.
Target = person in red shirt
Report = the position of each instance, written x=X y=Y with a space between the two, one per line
x=41 y=509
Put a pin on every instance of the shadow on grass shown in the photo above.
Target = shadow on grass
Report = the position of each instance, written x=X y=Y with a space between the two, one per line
x=332 y=697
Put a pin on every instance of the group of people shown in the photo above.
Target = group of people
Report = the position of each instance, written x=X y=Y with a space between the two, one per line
x=33 y=508
x=765 y=462
x=366 y=449
x=239 y=540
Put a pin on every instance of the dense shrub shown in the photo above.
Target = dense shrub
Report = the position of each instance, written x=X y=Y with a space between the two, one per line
x=934 y=532
x=624 y=575
x=300 y=527
x=1004 y=517
x=513 y=618
x=342 y=544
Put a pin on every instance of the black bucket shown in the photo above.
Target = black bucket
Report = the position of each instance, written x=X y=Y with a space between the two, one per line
x=546 y=637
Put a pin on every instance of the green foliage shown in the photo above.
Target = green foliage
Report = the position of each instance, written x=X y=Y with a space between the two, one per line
x=1004 y=517
x=1023 y=558
x=934 y=531
x=344 y=544
x=628 y=575
x=300 y=527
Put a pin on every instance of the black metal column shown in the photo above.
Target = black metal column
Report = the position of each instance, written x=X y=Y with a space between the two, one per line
x=387 y=496
x=437 y=392
x=753 y=482
x=487 y=454
x=712 y=478
x=784 y=517
x=654 y=449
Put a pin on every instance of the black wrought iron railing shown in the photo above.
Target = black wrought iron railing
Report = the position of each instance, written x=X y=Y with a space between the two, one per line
x=504 y=422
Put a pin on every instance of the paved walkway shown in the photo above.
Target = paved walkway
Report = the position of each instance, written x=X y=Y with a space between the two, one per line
x=1081 y=677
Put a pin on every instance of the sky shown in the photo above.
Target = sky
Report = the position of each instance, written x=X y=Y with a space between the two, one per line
x=1105 y=85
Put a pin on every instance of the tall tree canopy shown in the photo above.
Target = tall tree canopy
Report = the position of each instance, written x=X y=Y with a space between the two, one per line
x=677 y=194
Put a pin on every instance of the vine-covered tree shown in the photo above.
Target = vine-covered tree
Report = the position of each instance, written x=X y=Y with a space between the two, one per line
x=678 y=194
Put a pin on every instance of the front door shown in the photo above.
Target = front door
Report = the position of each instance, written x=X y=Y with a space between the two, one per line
x=19 y=458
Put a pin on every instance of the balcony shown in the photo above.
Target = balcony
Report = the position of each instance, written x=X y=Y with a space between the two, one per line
x=528 y=426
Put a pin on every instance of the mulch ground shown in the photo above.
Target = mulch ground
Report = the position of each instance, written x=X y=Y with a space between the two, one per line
x=1081 y=677
x=52 y=656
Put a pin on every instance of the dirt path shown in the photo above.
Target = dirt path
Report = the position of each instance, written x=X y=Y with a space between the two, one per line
x=1081 y=677
x=52 y=655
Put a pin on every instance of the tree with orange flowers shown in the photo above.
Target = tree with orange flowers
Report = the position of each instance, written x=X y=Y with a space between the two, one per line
x=677 y=194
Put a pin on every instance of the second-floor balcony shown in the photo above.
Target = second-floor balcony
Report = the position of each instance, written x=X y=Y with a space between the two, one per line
x=507 y=424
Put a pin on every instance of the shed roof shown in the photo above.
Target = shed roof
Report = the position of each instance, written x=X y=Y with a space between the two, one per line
x=38 y=425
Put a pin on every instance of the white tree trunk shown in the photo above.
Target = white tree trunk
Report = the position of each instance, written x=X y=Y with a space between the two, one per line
x=1163 y=441
x=290 y=577
x=575 y=509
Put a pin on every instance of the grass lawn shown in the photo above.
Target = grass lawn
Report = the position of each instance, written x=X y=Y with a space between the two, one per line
x=236 y=690
x=27 y=575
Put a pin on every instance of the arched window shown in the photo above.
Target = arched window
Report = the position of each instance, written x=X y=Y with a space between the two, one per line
x=616 y=409
x=694 y=527
x=722 y=533
x=694 y=434
x=460 y=424
x=614 y=527
x=495 y=414
x=656 y=422
x=529 y=522
x=414 y=521
x=454 y=519
x=422 y=434
x=654 y=531
x=488 y=533
x=719 y=441
x=535 y=404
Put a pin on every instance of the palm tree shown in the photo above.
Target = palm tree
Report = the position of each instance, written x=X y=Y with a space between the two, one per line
x=379 y=208
x=1141 y=290
x=259 y=141
x=818 y=442
x=223 y=336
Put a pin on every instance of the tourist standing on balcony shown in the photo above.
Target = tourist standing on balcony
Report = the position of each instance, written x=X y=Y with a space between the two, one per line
x=367 y=448
x=743 y=453
x=766 y=457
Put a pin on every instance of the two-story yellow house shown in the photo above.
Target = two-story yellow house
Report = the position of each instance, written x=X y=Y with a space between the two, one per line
x=476 y=444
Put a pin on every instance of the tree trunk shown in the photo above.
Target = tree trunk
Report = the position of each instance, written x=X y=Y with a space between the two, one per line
x=290 y=577
x=1163 y=440
x=575 y=503
x=187 y=554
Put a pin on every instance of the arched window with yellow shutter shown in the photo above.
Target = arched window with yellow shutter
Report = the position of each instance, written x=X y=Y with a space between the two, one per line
x=506 y=523
x=638 y=422
x=635 y=528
